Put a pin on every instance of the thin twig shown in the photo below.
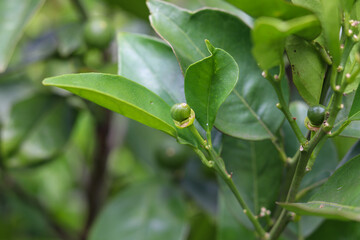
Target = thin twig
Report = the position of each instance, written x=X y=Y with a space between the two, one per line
x=97 y=188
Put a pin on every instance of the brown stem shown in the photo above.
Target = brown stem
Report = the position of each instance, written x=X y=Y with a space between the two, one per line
x=97 y=187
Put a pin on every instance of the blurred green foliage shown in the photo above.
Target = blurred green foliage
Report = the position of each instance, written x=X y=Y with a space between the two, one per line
x=65 y=161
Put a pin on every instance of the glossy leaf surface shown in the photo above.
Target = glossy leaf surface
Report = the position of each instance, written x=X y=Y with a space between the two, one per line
x=269 y=35
x=208 y=83
x=308 y=69
x=228 y=226
x=148 y=211
x=119 y=95
x=14 y=16
x=258 y=186
x=353 y=129
x=270 y=8
x=354 y=113
x=336 y=230
x=248 y=111
x=338 y=198
x=151 y=63
x=328 y=12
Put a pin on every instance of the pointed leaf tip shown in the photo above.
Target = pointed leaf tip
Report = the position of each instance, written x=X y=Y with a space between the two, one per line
x=209 y=46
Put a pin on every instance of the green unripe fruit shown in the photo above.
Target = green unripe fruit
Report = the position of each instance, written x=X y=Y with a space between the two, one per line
x=98 y=33
x=316 y=114
x=180 y=112
x=93 y=58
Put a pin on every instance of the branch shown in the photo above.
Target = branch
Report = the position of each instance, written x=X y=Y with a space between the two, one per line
x=97 y=189
x=283 y=106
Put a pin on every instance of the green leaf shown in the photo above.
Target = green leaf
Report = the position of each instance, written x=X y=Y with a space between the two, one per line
x=13 y=89
x=37 y=129
x=228 y=227
x=70 y=37
x=151 y=63
x=208 y=83
x=353 y=129
x=249 y=110
x=119 y=95
x=336 y=230
x=338 y=198
x=269 y=35
x=354 y=113
x=147 y=211
x=218 y=4
x=308 y=69
x=270 y=8
x=328 y=12
x=14 y=16
x=351 y=153
x=347 y=5
x=256 y=170
x=350 y=67
x=344 y=146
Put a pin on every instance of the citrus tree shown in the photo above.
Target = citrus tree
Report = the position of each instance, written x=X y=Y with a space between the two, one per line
x=260 y=95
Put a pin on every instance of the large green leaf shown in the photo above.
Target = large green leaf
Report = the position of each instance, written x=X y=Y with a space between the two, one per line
x=151 y=63
x=218 y=4
x=119 y=95
x=352 y=130
x=208 y=83
x=270 y=8
x=328 y=12
x=228 y=228
x=354 y=113
x=269 y=35
x=37 y=129
x=338 y=198
x=249 y=110
x=308 y=69
x=147 y=211
x=353 y=152
x=14 y=15
x=256 y=171
x=337 y=230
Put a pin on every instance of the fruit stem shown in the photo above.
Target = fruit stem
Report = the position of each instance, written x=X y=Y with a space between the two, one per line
x=197 y=135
